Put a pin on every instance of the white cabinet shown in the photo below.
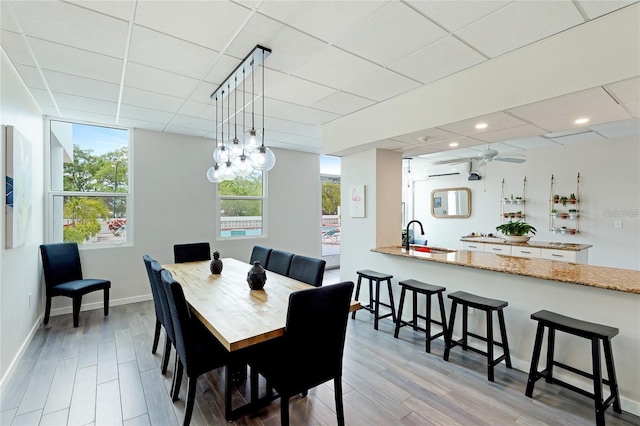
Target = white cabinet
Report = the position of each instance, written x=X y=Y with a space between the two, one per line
x=498 y=249
x=563 y=255
x=466 y=245
x=526 y=251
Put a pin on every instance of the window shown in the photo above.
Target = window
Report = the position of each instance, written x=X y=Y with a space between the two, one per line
x=90 y=193
x=242 y=206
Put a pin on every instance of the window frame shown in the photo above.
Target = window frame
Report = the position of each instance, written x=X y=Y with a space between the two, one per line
x=51 y=194
x=263 y=198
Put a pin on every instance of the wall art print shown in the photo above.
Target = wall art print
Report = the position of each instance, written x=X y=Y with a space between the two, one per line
x=18 y=186
x=357 y=201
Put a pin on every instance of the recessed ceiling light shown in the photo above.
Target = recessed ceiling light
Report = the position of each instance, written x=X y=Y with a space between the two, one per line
x=424 y=138
x=481 y=126
x=453 y=144
x=581 y=120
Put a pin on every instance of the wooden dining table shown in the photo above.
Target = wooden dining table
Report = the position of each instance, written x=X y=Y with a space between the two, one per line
x=236 y=315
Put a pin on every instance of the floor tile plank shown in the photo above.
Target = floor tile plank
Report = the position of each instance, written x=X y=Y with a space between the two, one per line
x=83 y=399
x=61 y=389
x=108 y=408
x=133 y=401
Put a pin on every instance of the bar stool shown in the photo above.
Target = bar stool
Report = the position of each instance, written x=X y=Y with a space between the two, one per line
x=374 y=302
x=488 y=306
x=428 y=290
x=588 y=330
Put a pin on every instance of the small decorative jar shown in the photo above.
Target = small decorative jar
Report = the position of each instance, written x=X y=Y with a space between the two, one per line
x=216 y=263
x=256 y=277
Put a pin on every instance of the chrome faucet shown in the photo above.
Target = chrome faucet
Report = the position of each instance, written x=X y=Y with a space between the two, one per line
x=407 y=246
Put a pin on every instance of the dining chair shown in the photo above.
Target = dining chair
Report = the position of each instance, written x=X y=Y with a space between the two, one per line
x=307 y=269
x=157 y=304
x=191 y=252
x=198 y=350
x=279 y=262
x=63 y=277
x=315 y=330
x=169 y=337
x=260 y=254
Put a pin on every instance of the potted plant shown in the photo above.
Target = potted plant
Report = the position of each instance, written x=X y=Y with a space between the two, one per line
x=572 y=231
x=573 y=213
x=505 y=215
x=506 y=200
x=555 y=230
x=563 y=215
x=556 y=199
x=512 y=214
x=554 y=213
x=563 y=200
x=519 y=213
x=516 y=231
x=572 y=198
x=518 y=200
x=563 y=230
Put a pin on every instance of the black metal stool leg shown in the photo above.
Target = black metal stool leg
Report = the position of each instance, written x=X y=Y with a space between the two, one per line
x=465 y=314
x=490 y=345
x=394 y=317
x=376 y=311
x=399 y=322
x=428 y=324
x=353 y=315
x=551 y=337
x=443 y=316
x=597 y=381
x=449 y=333
x=415 y=310
x=535 y=358
x=611 y=373
x=503 y=336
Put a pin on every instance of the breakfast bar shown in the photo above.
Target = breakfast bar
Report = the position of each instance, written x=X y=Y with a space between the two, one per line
x=597 y=294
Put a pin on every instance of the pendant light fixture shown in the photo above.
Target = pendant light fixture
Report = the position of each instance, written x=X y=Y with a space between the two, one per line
x=237 y=158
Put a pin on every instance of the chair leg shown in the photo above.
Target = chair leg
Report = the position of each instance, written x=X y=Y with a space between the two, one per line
x=394 y=317
x=177 y=380
x=77 y=302
x=443 y=317
x=227 y=392
x=166 y=354
x=551 y=337
x=353 y=315
x=465 y=316
x=156 y=336
x=106 y=302
x=253 y=379
x=191 y=396
x=284 y=410
x=611 y=373
x=427 y=326
x=399 y=322
x=376 y=311
x=47 y=310
x=490 y=345
x=448 y=341
x=535 y=358
x=503 y=336
x=597 y=381
x=337 y=385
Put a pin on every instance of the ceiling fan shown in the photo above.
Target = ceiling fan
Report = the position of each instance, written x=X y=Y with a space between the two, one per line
x=489 y=155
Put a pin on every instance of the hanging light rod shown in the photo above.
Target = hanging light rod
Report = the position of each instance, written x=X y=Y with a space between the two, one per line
x=236 y=77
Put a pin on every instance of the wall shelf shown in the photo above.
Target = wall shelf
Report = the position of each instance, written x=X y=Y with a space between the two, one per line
x=510 y=206
x=563 y=218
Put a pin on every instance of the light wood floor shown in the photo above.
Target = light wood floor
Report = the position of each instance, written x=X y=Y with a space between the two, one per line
x=103 y=373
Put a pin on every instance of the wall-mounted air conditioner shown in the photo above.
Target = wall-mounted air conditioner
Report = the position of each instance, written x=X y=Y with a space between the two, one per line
x=443 y=170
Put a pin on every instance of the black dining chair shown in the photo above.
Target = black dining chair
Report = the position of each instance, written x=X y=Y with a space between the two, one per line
x=198 y=350
x=315 y=330
x=279 y=262
x=63 y=277
x=191 y=252
x=169 y=337
x=157 y=304
x=260 y=254
x=307 y=269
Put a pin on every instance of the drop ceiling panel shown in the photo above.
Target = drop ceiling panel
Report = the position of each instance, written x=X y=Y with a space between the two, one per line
x=155 y=80
x=502 y=148
x=88 y=116
x=511 y=133
x=83 y=28
x=69 y=60
x=518 y=24
x=224 y=65
x=584 y=100
x=597 y=116
x=618 y=129
x=313 y=116
x=98 y=106
x=118 y=9
x=7 y=21
x=188 y=131
x=440 y=59
x=145 y=114
x=634 y=109
x=298 y=91
x=292 y=127
x=495 y=121
x=381 y=85
x=595 y=8
x=50 y=111
x=587 y=136
x=336 y=68
x=533 y=142
x=193 y=122
x=443 y=146
x=81 y=86
x=326 y=20
x=31 y=77
x=454 y=15
x=276 y=108
x=627 y=91
x=210 y=24
x=140 y=124
x=16 y=49
x=144 y=98
x=290 y=48
x=434 y=135
x=342 y=103
x=199 y=110
x=161 y=51
x=42 y=97
x=390 y=34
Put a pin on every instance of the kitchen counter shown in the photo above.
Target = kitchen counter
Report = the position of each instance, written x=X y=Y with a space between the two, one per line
x=530 y=243
x=624 y=280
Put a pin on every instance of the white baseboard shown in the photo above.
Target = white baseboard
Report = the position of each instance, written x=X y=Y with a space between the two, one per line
x=99 y=305
x=5 y=380
x=61 y=311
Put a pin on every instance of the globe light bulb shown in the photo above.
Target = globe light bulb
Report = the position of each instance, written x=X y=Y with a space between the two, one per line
x=221 y=154
x=262 y=159
x=241 y=166
x=214 y=174
x=251 y=140
x=236 y=149
x=227 y=171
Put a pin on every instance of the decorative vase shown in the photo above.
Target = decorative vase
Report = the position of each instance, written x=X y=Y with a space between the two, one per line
x=216 y=263
x=256 y=277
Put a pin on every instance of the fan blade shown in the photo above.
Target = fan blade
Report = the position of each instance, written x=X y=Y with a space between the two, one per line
x=452 y=162
x=482 y=162
x=510 y=159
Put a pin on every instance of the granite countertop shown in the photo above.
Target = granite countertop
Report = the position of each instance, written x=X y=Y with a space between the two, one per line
x=626 y=280
x=530 y=243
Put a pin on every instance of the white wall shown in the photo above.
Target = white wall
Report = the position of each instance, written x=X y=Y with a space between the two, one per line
x=609 y=178
x=175 y=203
x=21 y=272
